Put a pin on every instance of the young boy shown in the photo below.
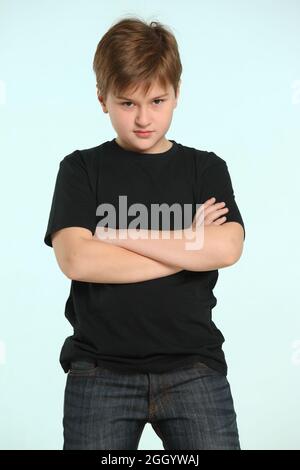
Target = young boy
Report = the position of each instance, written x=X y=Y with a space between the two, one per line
x=144 y=348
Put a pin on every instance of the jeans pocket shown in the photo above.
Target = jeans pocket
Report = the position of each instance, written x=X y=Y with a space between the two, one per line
x=201 y=366
x=83 y=367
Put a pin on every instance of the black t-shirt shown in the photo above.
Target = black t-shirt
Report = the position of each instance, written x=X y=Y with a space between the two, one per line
x=158 y=324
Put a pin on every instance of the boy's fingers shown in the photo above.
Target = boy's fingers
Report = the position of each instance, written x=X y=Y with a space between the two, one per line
x=203 y=206
x=206 y=204
x=212 y=200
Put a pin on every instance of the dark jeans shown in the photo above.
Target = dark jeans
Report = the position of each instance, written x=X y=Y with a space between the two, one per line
x=188 y=408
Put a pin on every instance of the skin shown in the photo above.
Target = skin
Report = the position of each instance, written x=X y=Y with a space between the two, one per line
x=142 y=112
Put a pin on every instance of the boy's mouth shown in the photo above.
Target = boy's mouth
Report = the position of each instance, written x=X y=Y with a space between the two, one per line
x=143 y=133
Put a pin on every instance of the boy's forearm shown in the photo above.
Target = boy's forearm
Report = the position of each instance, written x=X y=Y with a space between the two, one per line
x=213 y=253
x=96 y=261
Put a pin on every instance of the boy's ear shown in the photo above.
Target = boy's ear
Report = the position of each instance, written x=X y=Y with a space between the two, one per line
x=178 y=93
x=101 y=101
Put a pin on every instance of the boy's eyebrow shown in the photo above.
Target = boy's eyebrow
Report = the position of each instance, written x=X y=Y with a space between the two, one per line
x=130 y=99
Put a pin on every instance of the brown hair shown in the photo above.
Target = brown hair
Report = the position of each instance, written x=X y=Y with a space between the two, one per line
x=132 y=52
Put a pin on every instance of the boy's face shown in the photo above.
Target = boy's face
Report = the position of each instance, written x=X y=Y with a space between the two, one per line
x=132 y=112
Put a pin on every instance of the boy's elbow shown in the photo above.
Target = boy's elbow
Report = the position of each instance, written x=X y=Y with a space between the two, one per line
x=66 y=266
x=235 y=253
x=67 y=244
x=73 y=269
x=235 y=241
x=71 y=273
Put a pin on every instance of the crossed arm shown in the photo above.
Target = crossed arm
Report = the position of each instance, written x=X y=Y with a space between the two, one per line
x=123 y=259
x=208 y=248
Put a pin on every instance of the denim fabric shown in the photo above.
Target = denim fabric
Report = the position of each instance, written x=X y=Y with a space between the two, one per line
x=188 y=408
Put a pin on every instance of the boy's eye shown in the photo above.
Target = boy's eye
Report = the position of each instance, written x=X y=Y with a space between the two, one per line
x=130 y=102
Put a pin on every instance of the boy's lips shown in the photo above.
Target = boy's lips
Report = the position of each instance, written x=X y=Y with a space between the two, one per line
x=143 y=134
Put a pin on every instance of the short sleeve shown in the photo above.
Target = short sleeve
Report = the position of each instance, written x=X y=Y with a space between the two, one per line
x=216 y=182
x=73 y=201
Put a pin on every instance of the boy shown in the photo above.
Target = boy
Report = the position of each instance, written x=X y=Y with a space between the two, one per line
x=144 y=348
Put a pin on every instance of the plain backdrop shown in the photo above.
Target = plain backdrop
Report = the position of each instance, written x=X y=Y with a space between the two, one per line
x=240 y=98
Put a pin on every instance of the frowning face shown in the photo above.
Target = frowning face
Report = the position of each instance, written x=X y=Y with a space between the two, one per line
x=136 y=111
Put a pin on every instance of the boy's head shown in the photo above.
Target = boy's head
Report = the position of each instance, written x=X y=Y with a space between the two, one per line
x=135 y=64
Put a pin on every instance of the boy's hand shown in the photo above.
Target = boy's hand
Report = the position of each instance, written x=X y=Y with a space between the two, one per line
x=210 y=213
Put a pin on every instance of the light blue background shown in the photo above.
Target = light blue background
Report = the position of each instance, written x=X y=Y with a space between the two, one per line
x=240 y=97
